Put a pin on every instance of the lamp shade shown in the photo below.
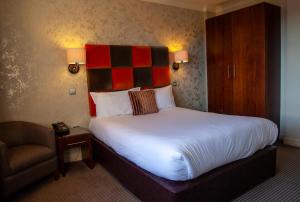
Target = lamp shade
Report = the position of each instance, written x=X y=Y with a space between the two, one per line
x=76 y=55
x=181 y=56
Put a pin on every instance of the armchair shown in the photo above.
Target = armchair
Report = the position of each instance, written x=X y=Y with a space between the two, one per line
x=27 y=154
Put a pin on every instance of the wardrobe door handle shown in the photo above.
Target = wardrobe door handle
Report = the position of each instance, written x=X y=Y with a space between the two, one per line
x=234 y=71
x=228 y=71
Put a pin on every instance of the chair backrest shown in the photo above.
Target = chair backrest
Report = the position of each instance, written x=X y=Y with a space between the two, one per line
x=11 y=133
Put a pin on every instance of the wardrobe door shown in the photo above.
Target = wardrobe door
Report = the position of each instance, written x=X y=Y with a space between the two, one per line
x=228 y=60
x=218 y=39
x=248 y=33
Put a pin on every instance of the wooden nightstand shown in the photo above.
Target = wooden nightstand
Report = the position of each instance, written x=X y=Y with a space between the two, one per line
x=78 y=137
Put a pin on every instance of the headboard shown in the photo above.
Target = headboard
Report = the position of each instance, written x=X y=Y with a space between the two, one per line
x=114 y=67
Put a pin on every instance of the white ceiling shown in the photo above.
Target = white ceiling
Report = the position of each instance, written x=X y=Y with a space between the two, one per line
x=201 y=5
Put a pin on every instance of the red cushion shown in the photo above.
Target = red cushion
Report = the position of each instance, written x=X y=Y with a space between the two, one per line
x=141 y=56
x=92 y=106
x=161 y=76
x=97 y=56
x=122 y=78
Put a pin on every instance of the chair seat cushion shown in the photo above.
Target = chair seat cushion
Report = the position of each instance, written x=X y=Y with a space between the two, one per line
x=22 y=157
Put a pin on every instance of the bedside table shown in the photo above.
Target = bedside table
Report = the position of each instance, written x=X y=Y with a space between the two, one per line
x=78 y=137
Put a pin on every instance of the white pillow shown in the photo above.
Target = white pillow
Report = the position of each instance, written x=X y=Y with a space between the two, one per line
x=112 y=103
x=164 y=97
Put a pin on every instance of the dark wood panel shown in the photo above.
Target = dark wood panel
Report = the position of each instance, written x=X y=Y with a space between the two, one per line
x=214 y=42
x=228 y=60
x=218 y=65
x=273 y=61
x=248 y=61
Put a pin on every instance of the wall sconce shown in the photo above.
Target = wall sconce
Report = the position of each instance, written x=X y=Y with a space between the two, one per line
x=75 y=57
x=180 y=57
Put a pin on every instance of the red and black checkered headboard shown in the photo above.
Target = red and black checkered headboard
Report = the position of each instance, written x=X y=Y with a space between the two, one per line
x=113 y=68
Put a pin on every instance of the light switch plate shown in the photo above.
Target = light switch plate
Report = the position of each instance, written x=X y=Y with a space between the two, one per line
x=72 y=91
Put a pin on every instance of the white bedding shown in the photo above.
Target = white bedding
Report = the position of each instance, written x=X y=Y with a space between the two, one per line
x=181 y=144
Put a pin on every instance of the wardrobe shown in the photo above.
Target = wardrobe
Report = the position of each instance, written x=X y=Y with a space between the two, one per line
x=243 y=62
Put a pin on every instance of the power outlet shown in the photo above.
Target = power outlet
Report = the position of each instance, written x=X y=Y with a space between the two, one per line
x=72 y=91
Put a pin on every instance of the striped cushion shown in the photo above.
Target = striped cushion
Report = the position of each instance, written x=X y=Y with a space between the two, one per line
x=143 y=102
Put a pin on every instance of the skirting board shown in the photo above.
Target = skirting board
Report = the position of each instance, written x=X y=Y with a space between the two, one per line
x=292 y=141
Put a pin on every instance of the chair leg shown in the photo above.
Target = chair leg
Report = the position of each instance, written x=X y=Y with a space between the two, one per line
x=56 y=175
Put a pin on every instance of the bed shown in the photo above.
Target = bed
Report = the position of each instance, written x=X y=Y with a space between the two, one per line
x=177 y=154
x=186 y=143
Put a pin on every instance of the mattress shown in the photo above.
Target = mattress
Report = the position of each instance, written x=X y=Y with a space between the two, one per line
x=181 y=144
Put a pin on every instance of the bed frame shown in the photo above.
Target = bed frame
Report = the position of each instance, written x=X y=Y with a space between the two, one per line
x=221 y=184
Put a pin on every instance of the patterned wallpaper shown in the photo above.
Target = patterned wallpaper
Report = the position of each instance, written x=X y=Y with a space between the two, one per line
x=34 y=35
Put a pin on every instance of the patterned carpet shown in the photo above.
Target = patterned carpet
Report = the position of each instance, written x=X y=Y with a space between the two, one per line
x=83 y=184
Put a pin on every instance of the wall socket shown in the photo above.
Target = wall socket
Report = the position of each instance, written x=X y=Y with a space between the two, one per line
x=72 y=91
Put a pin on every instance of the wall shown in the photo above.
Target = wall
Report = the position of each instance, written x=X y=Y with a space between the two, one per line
x=292 y=131
x=34 y=80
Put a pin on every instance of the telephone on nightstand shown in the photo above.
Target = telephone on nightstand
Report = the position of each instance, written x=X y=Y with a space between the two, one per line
x=60 y=128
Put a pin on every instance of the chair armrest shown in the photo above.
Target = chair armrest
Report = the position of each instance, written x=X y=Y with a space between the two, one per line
x=4 y=166
x=37 y=134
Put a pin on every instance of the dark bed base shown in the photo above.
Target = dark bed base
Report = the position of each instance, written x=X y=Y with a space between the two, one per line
x=221 y=184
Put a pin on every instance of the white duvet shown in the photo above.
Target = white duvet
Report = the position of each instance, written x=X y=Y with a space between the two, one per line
x=181 y=144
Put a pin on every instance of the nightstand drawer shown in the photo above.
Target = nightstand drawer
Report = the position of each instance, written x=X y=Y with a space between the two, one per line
x=75 y=144
x=76 y=140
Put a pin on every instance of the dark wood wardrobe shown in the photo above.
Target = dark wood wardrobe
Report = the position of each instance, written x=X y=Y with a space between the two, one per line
x=243 y=62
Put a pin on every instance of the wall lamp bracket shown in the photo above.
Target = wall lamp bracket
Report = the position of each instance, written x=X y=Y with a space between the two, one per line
x=175 y=66
x=75 y=57
x=74 y=68
x=180 y=57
